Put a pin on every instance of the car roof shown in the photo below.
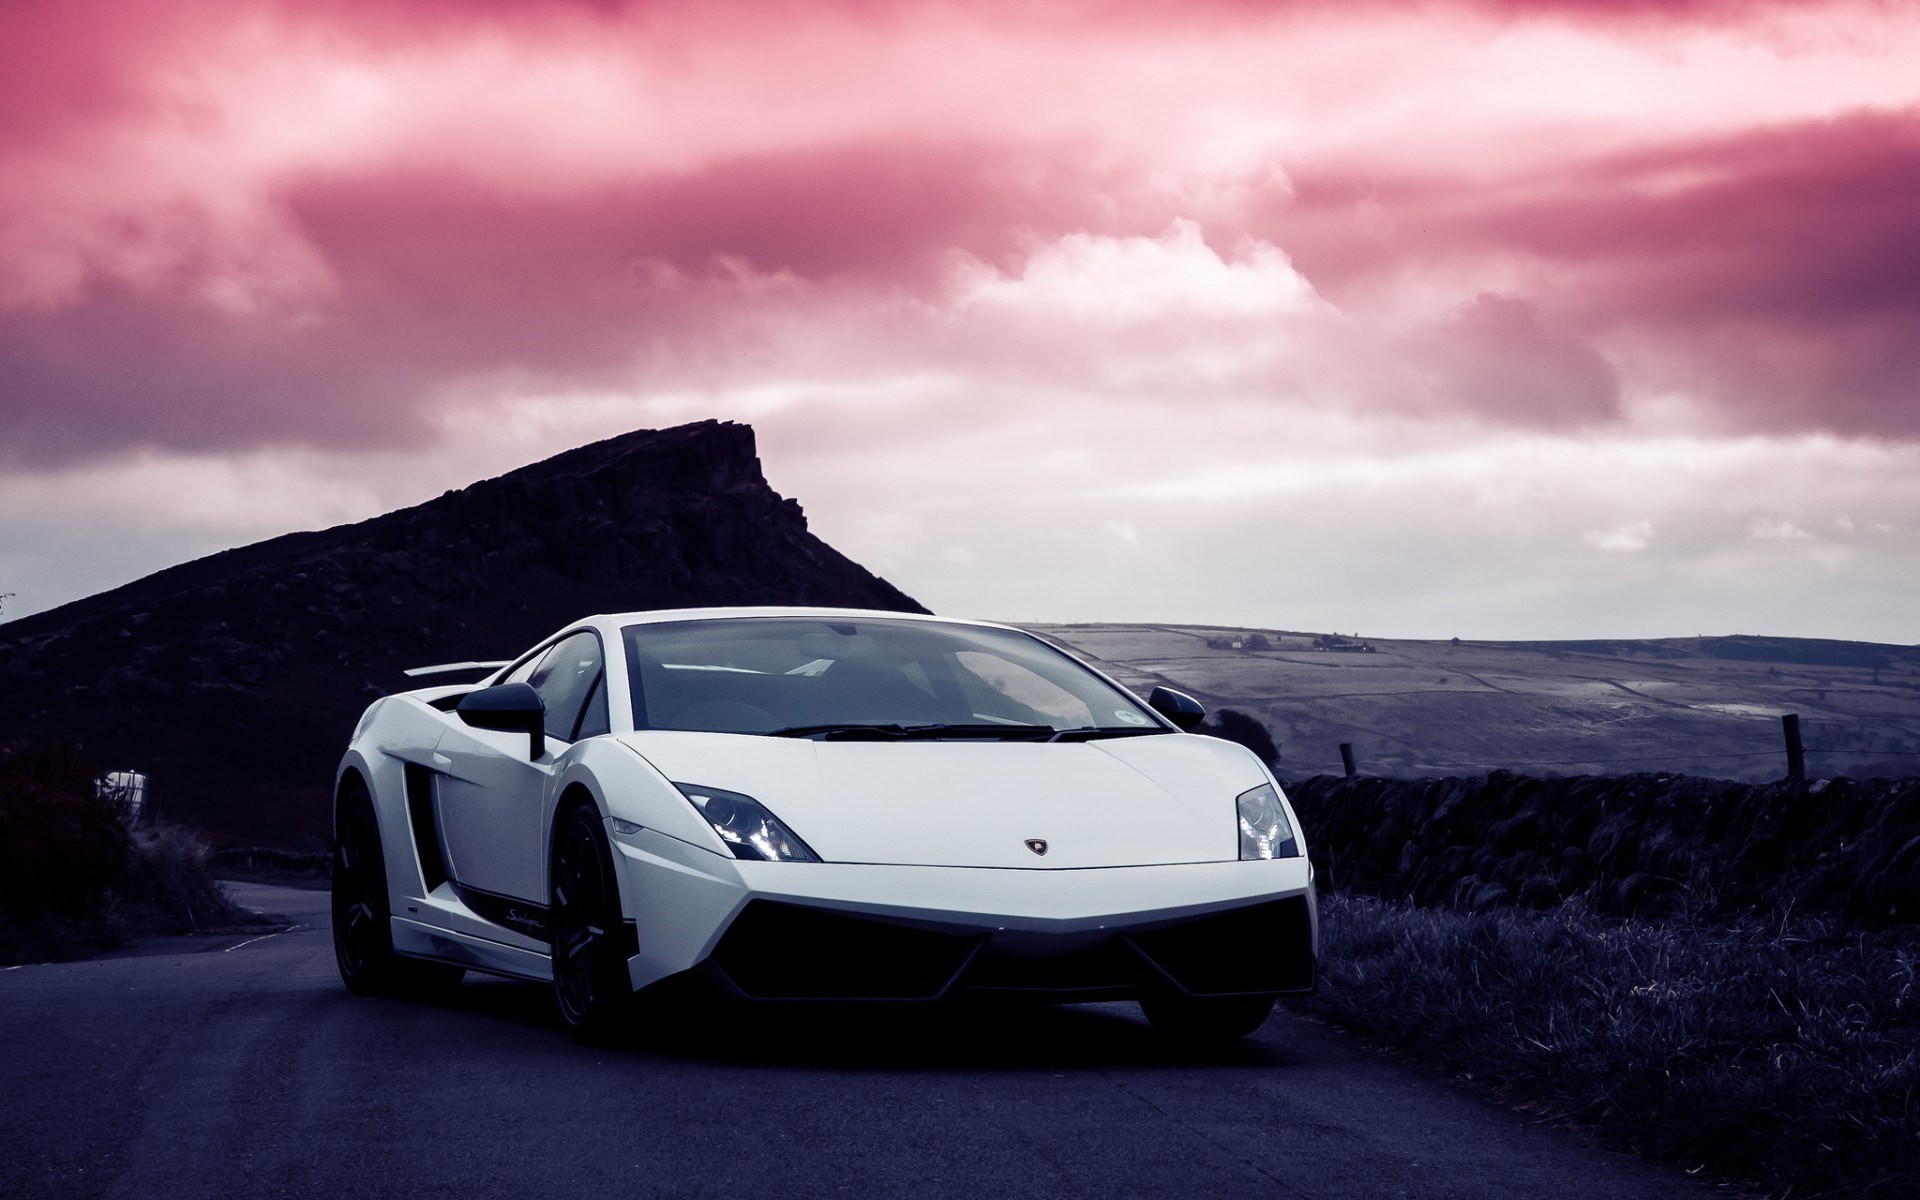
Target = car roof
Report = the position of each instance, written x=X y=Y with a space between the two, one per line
x=661 y=615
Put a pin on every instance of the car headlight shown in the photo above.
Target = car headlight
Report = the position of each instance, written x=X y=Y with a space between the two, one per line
x=1264 y=829
x=745 y=825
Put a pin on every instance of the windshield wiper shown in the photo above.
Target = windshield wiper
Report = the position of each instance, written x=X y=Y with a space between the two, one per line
x=842 y=731
x=1105 y=731
x=992 y=732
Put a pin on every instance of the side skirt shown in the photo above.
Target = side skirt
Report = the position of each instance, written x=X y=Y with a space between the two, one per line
x=416 y=940
x=524 y=917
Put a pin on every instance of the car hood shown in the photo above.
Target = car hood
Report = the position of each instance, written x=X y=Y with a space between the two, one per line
x=1135 y=801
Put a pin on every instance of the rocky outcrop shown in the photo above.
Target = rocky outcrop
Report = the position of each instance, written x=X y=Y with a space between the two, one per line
x=1634 y=845
x=236 y=679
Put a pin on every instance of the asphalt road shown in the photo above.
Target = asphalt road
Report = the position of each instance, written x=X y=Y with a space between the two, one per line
x=242 y=1068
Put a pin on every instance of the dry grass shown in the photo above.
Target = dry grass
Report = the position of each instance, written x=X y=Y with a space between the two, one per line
x=1785 y=1053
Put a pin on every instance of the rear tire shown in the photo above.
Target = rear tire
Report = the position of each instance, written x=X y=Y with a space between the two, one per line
x=362 y=927
x=591 y=987
x=1206 y=1020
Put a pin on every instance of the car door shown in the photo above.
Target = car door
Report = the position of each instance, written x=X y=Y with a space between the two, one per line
x=492 y=799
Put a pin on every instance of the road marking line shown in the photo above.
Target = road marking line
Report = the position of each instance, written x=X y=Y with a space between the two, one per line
x=263 y=937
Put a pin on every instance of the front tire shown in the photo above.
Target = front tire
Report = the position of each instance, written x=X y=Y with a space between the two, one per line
x=591 y=988
x=1206 y=1020
x=362 y=929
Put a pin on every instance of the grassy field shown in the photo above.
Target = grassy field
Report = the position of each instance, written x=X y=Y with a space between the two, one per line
x=1699 y=706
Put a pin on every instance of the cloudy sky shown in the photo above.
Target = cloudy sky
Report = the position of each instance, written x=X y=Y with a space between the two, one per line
x=1464 y=317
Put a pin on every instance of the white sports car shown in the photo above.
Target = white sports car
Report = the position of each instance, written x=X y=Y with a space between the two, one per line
x=816 y=804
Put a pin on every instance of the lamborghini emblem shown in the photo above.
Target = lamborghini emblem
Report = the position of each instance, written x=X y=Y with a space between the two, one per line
x=1037 y=845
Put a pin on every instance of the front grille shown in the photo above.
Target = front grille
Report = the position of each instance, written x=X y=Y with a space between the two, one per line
x=1104 y=967
x=776 y=951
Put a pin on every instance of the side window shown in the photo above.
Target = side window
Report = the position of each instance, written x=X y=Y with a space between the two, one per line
x=566 y=678
x=593 y=718
x=519 y=674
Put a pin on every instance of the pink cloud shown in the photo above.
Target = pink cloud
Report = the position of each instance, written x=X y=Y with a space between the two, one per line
x=1496 y=357
x=230 y=224
x=1775 y=274
x=431 y=279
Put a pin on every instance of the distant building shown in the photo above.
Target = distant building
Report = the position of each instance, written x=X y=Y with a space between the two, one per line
x=129 y=787
x=1250 y=641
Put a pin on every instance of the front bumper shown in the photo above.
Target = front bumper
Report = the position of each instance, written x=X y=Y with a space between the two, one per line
x=812 y=931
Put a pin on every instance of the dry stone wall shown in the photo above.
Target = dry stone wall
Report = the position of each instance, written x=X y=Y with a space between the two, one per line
x=1650 y=845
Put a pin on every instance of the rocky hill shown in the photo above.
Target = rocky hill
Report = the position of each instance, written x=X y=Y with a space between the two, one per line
x=235 y=680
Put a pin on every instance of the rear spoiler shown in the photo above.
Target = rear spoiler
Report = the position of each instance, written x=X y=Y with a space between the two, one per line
x=450 y=668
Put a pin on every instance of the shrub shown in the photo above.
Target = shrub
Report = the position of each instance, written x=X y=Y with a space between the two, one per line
x=74 y=878
x=1236 y=726
x=168 y=887
x=61 y=843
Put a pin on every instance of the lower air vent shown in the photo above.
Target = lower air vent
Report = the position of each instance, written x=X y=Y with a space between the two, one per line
x=1262 y=948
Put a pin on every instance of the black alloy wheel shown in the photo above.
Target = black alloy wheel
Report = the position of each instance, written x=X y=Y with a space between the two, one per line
x=590 y=983
x=1205 y=1020
x=362 y=934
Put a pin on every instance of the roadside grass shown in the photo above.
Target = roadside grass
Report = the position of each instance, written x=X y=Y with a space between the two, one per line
x=1784 y=1052
x=76 y=879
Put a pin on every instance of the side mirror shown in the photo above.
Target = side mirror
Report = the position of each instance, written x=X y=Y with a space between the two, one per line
x=509 y=708
x=1183 y=710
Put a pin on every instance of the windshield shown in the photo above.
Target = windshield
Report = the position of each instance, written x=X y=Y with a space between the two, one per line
x=798 y=676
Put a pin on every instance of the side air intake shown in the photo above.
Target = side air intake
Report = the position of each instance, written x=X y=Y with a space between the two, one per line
x=426 y=832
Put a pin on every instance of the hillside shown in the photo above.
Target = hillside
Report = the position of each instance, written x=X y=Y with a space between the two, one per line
x=1708 y=706
x=235 y=679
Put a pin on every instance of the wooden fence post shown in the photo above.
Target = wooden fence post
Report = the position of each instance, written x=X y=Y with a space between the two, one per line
x=1346 y=758
x=1796 y=754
